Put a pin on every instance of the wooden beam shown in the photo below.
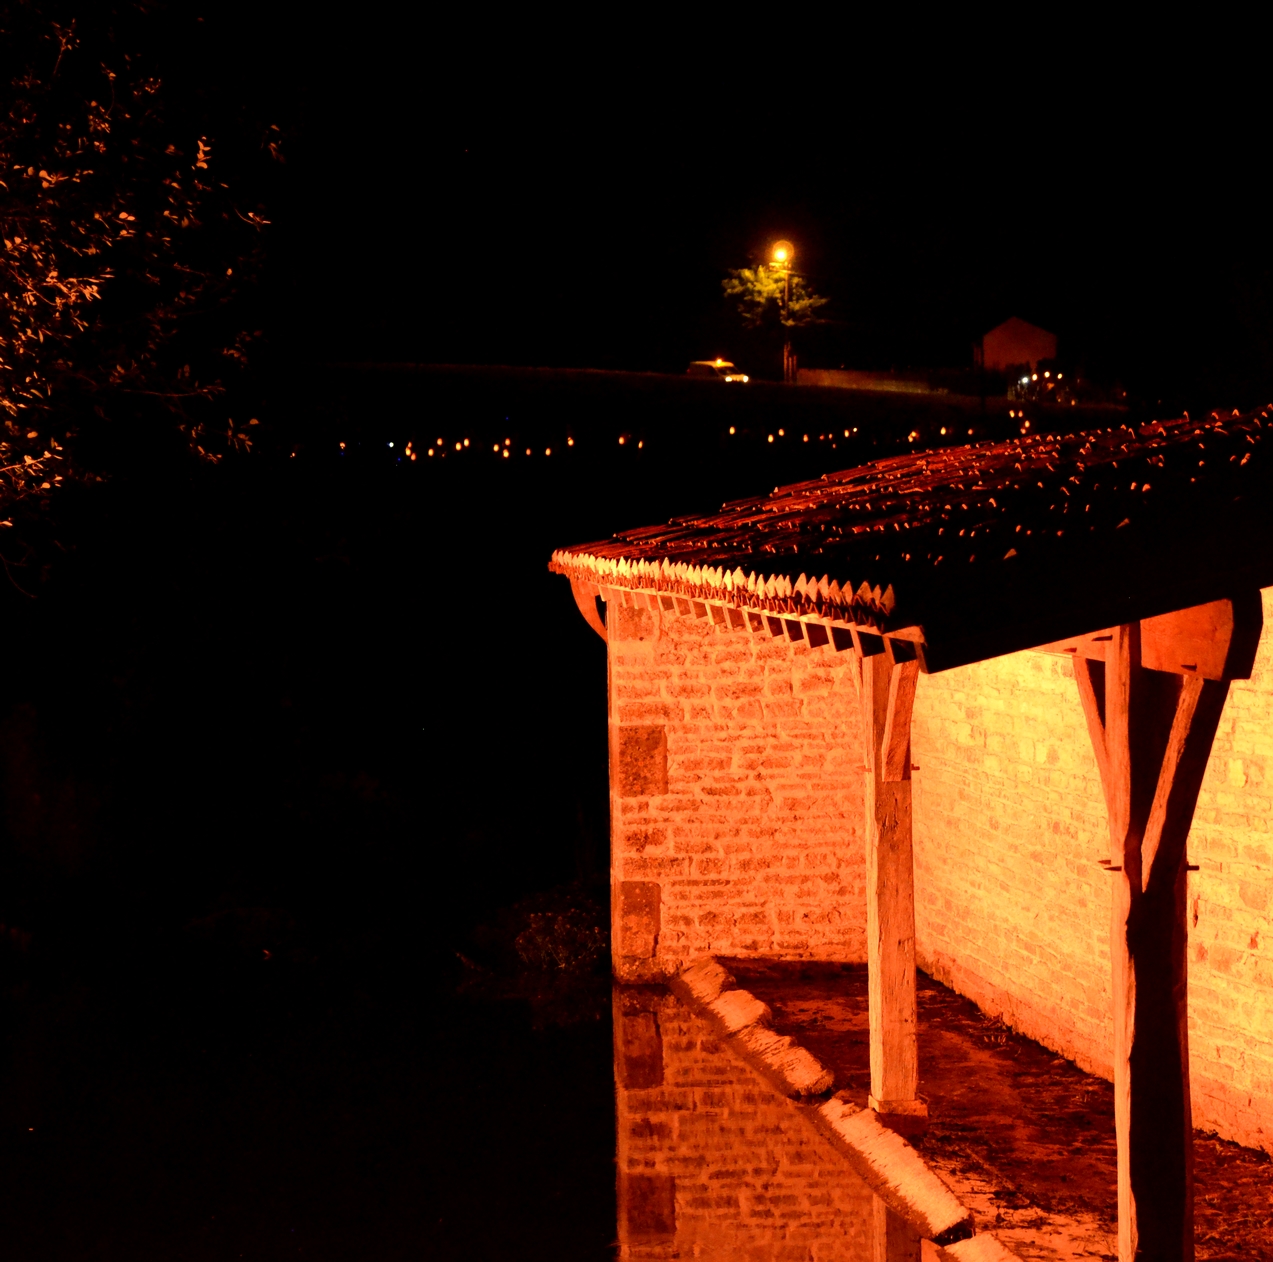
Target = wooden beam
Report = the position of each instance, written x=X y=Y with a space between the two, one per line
x=816 y=630
x=586 y=597
x=886 y=696
x=1152 y=729
x=1213 y=641
x=1090 y=677
x=895 y=746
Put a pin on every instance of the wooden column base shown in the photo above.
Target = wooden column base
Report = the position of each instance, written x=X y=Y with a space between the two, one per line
x=906 y=1117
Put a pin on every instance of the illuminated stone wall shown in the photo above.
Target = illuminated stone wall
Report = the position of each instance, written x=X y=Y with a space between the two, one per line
x=1013 y=911
x=712 y=1161
x=736 y=797
x=736 y=805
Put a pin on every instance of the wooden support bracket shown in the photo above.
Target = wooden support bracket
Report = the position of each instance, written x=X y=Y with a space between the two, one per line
x=1152 y=694
x=1212 y=641
x=895 y=745
x=588 y=598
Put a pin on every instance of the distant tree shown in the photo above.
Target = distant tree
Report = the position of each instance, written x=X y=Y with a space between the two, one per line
x=758 y=292
x=124 y=235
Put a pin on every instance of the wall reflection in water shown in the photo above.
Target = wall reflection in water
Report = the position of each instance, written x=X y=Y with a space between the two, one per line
x=714 y=1163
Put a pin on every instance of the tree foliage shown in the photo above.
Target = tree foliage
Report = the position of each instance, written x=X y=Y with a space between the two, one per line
x=757 y=293
x=124 y=235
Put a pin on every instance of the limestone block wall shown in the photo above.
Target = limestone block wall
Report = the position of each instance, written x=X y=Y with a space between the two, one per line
x=736 y=796
x=712 y=1161
x=736 y=829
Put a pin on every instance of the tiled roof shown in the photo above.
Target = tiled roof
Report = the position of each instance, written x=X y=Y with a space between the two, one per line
x=988 y=548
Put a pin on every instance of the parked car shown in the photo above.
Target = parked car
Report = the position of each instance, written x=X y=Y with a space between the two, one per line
x=716 y=370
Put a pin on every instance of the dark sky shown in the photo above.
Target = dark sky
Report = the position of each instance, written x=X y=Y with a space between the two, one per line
x=571 y=191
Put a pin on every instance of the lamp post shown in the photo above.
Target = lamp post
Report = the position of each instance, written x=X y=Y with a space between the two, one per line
x=783 y=253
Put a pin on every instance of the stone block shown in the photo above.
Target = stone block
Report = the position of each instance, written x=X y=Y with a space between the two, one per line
x=638 y=920
x=638 y=765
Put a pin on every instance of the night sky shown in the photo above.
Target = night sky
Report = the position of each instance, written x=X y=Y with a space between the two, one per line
x=549 y=191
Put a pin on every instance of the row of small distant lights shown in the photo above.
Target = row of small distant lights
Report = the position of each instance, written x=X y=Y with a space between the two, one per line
x=439 y=448
x=831 y=438
x=822 y=438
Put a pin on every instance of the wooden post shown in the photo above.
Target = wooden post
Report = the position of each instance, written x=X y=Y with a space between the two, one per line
x=887 y=694
x=1152 y=729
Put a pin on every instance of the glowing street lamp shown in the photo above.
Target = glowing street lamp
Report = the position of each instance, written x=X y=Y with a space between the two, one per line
x=783 y=252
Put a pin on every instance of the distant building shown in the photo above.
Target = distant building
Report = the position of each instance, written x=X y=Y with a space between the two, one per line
x=1016 y=344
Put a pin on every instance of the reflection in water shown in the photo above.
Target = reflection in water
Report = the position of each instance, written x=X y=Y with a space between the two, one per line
x=714 y=1163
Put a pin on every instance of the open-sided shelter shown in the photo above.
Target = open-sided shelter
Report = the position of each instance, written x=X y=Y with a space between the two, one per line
x=764 y=663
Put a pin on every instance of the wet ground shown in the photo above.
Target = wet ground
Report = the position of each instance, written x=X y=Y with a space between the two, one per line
x=1007 y=1114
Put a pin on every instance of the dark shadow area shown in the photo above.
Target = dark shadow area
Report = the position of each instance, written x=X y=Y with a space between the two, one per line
x=283 y=740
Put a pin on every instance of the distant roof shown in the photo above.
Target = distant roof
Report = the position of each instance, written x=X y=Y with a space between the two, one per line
x=1014 y=324
x=988 y=548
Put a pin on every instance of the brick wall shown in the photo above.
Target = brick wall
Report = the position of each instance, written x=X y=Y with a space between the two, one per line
x=736 y=829
x=736 y=797
x=712 y=1161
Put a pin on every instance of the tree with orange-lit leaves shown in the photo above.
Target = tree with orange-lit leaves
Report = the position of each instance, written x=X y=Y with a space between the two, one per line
x=125 y=233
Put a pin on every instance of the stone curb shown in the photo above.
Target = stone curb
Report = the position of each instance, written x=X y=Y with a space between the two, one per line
x=746 y=1020
x=981 y=1248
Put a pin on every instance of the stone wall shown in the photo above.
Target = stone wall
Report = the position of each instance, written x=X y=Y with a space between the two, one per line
x=736 y=829
x=712 y=1161
x=736 y=796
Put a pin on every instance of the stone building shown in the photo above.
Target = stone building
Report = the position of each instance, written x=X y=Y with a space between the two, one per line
x=1016 y=343
x=964 y=709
